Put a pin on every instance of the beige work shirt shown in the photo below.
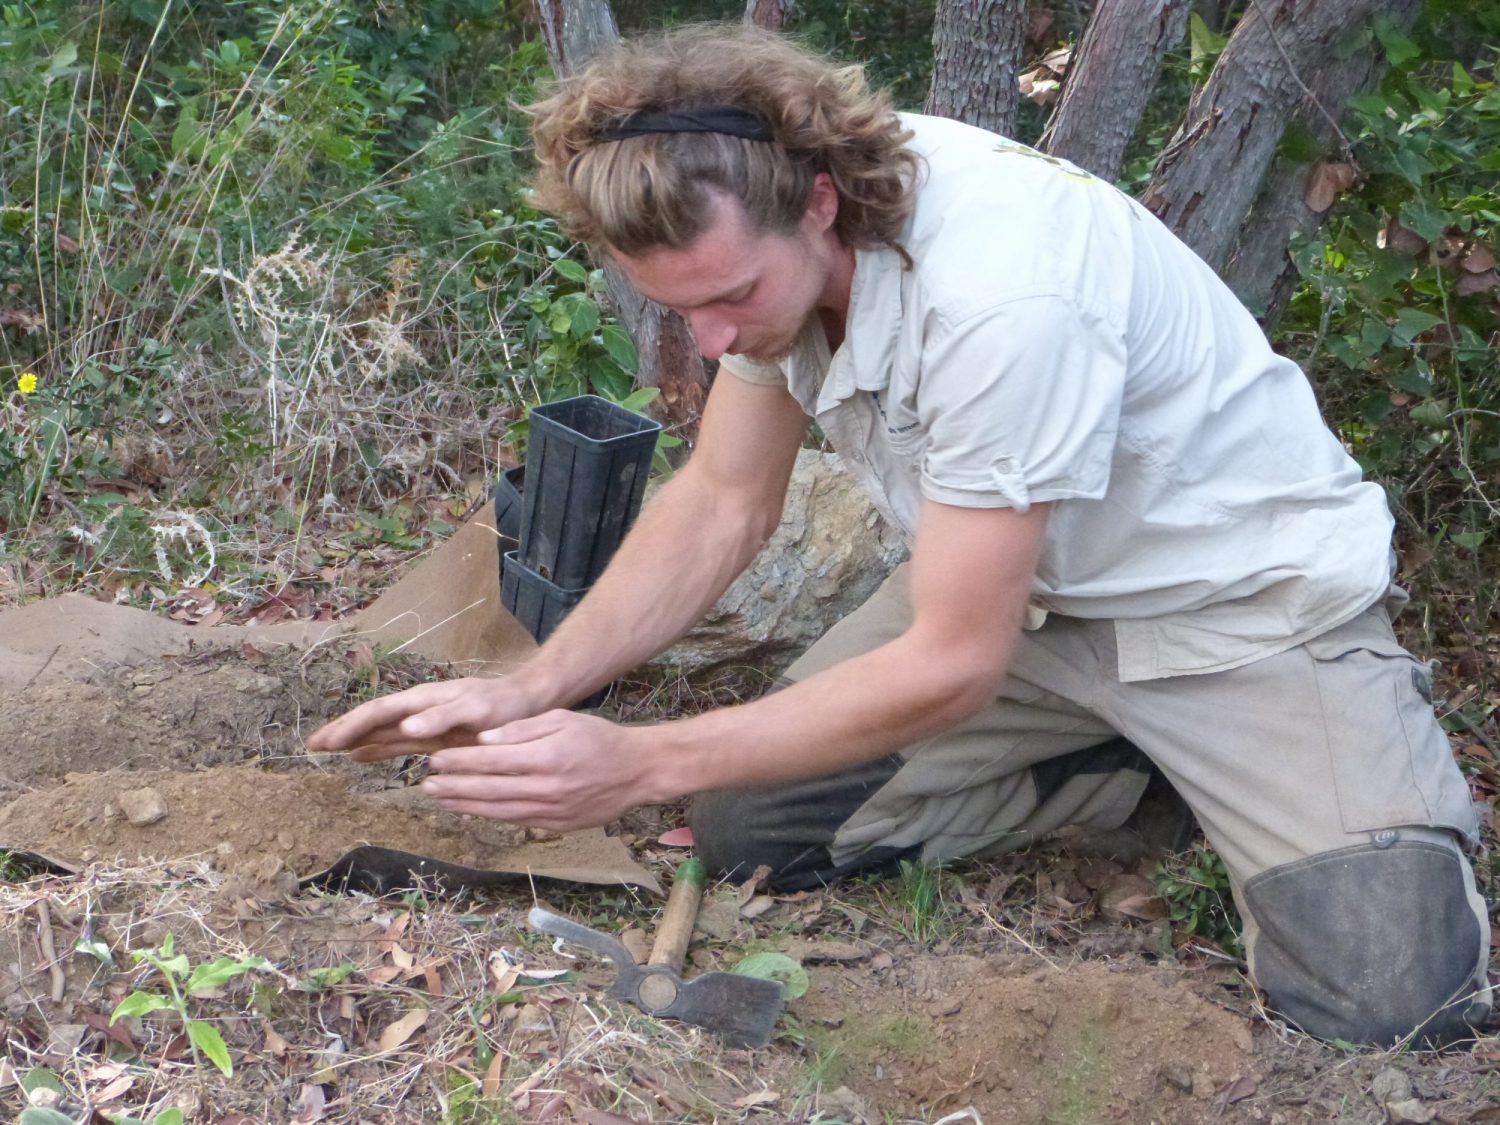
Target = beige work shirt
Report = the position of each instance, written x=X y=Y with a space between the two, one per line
x=1053 y=342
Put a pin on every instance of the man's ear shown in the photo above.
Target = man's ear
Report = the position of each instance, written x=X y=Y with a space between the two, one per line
x=822 y=204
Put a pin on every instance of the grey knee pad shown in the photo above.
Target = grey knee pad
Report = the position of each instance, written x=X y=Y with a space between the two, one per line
x=788 y=827
x=1369 y=944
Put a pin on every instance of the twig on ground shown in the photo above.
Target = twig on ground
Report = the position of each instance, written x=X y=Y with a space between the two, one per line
x=49 y=950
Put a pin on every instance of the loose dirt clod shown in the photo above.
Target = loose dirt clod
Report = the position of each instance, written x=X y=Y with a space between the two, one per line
x=142 y=806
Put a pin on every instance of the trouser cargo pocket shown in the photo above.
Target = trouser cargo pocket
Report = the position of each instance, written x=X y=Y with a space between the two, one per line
x=1390 y=760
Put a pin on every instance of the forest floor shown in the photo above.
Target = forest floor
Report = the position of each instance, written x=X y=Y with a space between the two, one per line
x=1043 y=988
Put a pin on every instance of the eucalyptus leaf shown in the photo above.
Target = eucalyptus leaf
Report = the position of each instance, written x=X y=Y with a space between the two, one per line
x=44 y=1115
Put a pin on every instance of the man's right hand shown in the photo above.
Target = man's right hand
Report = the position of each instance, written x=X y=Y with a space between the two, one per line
x=424 y=719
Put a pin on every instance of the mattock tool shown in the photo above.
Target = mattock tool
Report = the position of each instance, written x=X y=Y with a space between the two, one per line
x=740 y=1010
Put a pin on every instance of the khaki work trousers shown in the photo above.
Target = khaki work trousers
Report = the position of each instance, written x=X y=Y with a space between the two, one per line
x=1319 y=775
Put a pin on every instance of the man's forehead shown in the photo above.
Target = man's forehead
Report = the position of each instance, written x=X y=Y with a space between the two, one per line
x=715 y=266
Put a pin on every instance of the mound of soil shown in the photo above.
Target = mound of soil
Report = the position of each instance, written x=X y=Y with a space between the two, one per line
x=201 y=755
x=243 y=819
x=215 y=709
x=1089 y=1043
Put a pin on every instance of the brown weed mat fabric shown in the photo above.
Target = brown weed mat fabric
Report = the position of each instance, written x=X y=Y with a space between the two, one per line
x=134 y=737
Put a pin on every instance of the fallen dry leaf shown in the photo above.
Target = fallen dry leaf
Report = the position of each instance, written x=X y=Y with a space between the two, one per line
x=1400 y=240
x=1479 y=259
x=760 y=1097
x=604 y=1117
x=401 y=958
x=757 y=906
x=402 y=1030
x=1326 y=182
x=384 y=974
x=312 y=1103
x=1236 y=1091
x=112 y=1091
x=275 y=1046
x=1477 y=282
x=489 y=1087
x=752 y=886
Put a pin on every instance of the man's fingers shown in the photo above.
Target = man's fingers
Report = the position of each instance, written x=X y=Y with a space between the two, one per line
x=359 y=725
x=385 y=750
x=469 y=711
x=491 y=787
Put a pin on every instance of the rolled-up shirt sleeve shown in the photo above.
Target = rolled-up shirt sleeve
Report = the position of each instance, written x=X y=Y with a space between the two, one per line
x=753 y=370
x=1019 y=404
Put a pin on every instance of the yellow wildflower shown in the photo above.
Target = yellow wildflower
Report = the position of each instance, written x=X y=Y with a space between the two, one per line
x=26 y=384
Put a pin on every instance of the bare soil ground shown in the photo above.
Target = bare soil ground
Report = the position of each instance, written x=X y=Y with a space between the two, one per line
x=1008 y=997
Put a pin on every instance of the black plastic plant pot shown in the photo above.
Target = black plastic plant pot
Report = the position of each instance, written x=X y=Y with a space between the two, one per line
x=508 y=492
x=536 y=603
x=586 y=466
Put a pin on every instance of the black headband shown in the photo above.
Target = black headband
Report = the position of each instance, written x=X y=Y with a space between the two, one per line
x=728 y=119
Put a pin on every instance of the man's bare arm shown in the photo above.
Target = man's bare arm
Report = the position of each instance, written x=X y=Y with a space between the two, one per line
x=970 y=577
x=699 y=532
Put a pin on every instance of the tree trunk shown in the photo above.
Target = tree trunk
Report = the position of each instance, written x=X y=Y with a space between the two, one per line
x=1209 y=174
x=769 y=14
x=1110 y=81
x=1259 y=269
x=976 y=47
x=575 y=31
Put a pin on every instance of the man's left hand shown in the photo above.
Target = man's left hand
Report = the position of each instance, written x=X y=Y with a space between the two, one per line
x=558 y=771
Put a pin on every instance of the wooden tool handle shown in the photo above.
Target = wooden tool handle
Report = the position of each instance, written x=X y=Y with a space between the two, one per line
x=676 y=928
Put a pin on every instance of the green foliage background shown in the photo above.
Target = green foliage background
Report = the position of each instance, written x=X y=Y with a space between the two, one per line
x=274 y=271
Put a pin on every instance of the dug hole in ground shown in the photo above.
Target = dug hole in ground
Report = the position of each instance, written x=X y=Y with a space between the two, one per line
x=157 y=790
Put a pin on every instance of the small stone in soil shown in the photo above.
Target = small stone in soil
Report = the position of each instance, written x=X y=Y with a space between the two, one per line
x=142 y=806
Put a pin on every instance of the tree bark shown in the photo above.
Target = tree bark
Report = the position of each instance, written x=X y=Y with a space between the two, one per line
x=1110 y=81
x=1259 y=269
x=976 y=48
x=769 y=14
x=1208 y=176
x=575 y=31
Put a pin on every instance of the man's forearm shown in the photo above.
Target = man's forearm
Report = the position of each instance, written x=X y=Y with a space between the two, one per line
x=968 y=585
x=854 y=712
x=689 y=544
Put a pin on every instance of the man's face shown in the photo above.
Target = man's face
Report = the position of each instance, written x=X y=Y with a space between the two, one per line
x=742 y=291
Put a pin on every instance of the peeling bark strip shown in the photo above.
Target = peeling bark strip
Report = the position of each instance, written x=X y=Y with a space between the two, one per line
x=769 y=14
x=1259 y=269
x=1208 y=176
x=1111 y=79
x=976 y=53
x=575 y=31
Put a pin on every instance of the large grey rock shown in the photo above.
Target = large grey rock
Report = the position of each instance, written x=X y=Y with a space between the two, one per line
x=829 y=554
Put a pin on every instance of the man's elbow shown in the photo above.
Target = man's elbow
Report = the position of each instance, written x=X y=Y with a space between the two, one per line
x=965 y=681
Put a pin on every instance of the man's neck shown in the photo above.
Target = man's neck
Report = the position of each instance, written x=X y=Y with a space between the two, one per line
x=833 y=304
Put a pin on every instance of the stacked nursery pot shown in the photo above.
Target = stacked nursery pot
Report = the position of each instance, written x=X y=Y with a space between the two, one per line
x=567 y=509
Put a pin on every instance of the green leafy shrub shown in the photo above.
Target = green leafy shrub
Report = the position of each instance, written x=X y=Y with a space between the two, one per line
x=1398 y=318
x=255 y=252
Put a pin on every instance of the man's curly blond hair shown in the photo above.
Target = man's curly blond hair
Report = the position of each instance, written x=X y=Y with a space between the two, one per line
x=643 y=193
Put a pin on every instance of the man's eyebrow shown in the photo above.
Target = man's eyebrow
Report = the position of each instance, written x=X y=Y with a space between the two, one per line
x=725 y=295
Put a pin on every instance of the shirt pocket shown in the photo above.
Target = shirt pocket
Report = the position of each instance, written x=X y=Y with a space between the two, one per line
x=1391 y=761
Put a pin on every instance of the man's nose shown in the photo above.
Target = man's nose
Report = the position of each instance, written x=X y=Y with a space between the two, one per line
x=713 y=334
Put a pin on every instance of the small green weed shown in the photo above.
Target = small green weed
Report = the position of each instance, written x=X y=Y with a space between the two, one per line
x=1196 y=888
x=925 y=906
x=185 y=982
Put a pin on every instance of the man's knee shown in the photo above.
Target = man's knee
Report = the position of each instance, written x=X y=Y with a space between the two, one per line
x=788 y=828
x=1371 y=944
